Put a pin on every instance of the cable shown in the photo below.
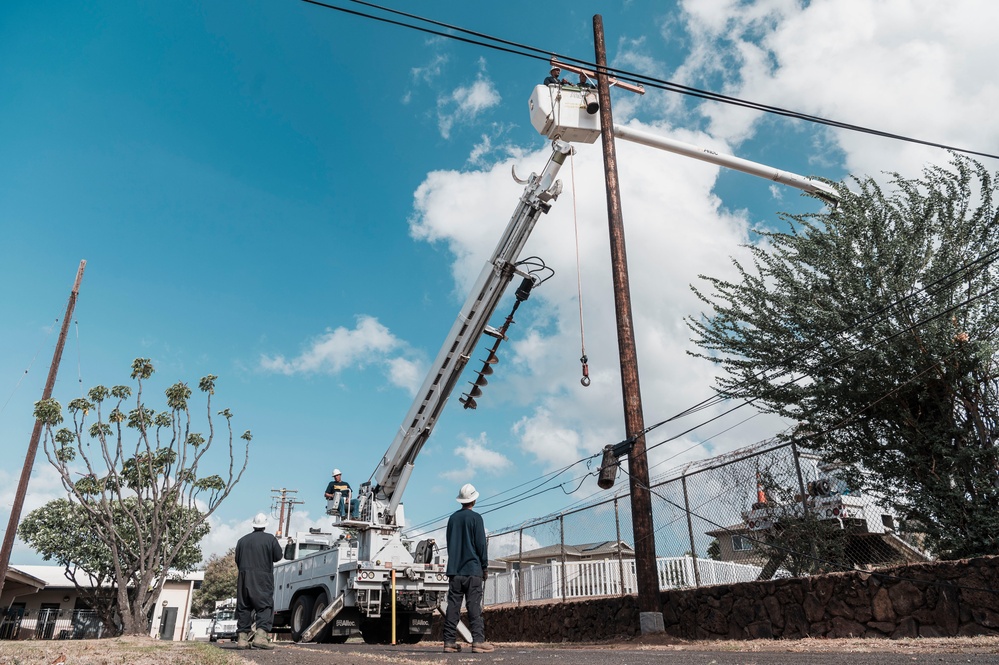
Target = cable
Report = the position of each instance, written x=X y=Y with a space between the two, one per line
x=28 y=368
x=524 y=50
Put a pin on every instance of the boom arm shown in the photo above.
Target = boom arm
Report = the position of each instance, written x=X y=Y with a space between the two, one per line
x=392 y=473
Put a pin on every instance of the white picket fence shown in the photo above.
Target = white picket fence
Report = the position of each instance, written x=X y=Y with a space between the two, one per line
x=607 y=577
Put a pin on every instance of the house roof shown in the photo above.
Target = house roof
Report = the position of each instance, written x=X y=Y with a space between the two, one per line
x=18 y=574
x=606 y=547
x=736 y=530
x=54 y=577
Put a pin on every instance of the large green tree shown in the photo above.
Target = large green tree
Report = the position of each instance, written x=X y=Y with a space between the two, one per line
x=874 y=325
x=135 y=479
x=60 y=531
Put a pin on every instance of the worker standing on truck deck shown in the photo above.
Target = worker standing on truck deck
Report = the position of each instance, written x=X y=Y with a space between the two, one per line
x=256 y=553
x=343 y=487
x=467 y=561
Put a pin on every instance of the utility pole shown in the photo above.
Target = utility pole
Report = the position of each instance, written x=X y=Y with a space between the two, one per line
x=649 y=605
x=282 y=497
x=36 y=433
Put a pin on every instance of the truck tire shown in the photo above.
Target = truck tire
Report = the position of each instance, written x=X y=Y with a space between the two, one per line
x=301 y=616
x=318 y=605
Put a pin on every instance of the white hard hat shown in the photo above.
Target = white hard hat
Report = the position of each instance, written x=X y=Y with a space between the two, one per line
x=467 y=493
x=555 y=68
x=336 y=472
x=260 y=521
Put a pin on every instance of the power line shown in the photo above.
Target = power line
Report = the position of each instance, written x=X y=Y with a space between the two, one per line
x=526 y=51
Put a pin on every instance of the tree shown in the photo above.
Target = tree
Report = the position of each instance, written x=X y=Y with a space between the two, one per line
x=219 y=583
x=60 y=531
x=874 y=326
x=135 y=479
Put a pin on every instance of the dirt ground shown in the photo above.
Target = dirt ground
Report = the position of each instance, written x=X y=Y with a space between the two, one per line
x=146 y=651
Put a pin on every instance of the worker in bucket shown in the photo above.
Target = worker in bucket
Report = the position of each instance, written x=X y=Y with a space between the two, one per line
x=467 y=559
x=343 y=487
x=256 y=553
x=553 y=77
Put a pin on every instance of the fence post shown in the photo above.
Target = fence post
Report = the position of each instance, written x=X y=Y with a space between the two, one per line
x=690 y=531
x=620 y=553
x=520 y=568
x=561 y=529
x=801 y=482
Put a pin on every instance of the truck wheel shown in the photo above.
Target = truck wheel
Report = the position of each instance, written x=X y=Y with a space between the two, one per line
x=320 y=603
x=301 y=616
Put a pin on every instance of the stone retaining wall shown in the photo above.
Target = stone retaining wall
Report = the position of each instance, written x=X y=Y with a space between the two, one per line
x=929 y=600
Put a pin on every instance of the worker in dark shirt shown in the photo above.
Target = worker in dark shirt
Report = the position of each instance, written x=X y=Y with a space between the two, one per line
x=343 y=487
x=467 y=561
x=584 y=81
x=256 y=553
x=553 y=77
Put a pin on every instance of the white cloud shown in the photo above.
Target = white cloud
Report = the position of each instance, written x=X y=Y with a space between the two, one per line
x=431 y=71
x=368 y=343
x=465 y=104
x=478 y=458
x=910 y=67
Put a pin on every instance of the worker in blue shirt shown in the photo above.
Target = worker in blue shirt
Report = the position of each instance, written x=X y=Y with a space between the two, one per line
x=467 y=561
x=343 y=487
x=553 y=77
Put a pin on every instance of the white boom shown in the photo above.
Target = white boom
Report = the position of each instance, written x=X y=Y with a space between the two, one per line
x=386 y=485
x=560 y=112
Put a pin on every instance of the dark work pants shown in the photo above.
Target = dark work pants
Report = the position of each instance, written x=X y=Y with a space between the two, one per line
x=254 y=595
x=468 y=587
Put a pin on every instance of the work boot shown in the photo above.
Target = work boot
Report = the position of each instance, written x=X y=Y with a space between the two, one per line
x=243 y=640
x=452 y=647
x=482 y=647
x=261 y=640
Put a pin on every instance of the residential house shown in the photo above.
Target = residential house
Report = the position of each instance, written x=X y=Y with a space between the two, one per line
x=42 y=603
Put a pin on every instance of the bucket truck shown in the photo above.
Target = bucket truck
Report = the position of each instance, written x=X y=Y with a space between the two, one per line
x=367 y=577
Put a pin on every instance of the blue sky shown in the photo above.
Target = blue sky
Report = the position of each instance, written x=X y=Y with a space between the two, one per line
x=297 y=200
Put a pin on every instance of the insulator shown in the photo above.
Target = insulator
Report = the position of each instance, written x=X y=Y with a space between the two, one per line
x=608 y=469
x=524 y=290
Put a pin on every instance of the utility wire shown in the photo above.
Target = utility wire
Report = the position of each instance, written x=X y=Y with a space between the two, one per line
x=516 y=48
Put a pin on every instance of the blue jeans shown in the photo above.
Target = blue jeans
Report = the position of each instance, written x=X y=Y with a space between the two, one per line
x=468 y=587
x=342 y=508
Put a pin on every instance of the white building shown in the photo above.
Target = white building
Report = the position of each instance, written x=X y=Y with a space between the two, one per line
x=39 y=602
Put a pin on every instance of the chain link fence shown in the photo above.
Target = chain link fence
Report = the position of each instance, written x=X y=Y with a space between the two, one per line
x=762 y=512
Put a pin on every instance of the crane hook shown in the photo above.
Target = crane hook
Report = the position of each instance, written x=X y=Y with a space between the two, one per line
x=586 y=372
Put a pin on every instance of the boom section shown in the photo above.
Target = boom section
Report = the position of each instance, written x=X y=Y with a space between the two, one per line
x=392 y=473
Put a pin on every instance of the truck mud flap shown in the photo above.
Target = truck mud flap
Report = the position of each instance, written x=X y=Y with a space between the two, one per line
x=328 y=614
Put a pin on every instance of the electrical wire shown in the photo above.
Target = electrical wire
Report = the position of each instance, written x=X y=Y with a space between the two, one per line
x=516 y=48
x=20 y=379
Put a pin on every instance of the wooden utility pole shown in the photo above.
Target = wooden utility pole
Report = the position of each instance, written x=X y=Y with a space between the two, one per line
x=36 y=433
x=282 y=497
x=649 y=605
